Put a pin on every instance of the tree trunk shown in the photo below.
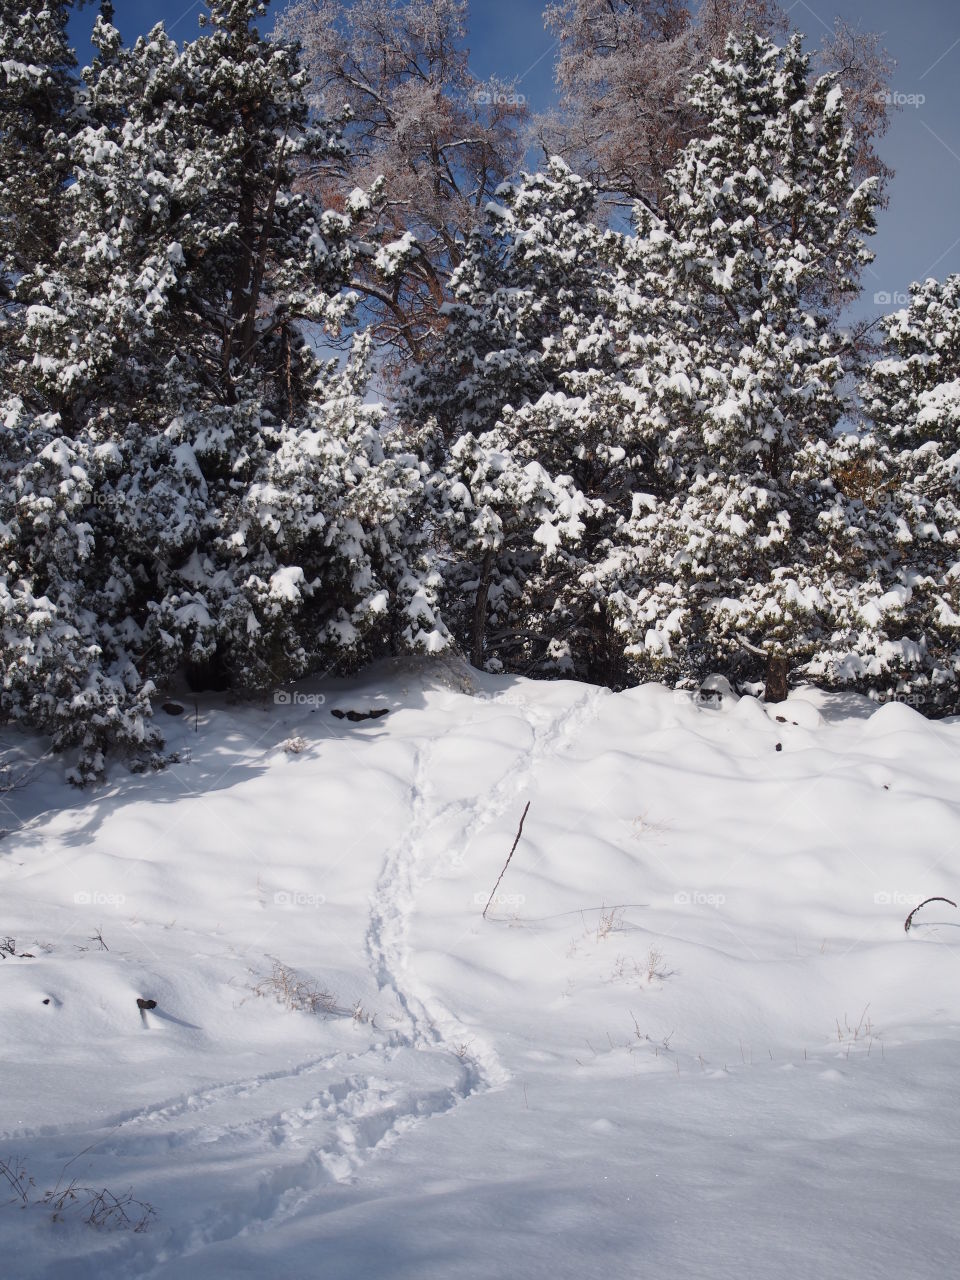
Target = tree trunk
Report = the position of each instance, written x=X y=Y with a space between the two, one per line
x=778 y=668
x=480 y=611
x=243 y=267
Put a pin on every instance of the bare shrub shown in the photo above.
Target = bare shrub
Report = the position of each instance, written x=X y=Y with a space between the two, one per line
x=300 y=994
x=97 y=1207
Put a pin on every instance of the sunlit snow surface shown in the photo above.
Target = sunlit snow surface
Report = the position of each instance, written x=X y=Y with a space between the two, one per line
x=690 y=1039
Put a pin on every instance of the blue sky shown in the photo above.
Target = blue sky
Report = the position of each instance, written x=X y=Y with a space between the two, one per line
x=919 y=234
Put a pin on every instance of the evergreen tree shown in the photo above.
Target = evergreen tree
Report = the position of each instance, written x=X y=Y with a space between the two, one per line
x=527 y=391
x=911 y=396
x=532 y=273
x=201 y=488
x=623 y=71
x=37 y=115
x=686 y=382
x=746 y=547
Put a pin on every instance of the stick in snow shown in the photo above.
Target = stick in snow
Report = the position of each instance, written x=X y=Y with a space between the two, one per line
x=507 y=863
x=909 y=919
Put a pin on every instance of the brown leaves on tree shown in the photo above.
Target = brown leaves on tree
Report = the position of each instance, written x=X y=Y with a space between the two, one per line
x=441 y=140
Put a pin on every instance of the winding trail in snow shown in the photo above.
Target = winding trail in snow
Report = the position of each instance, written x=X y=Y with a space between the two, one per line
x=289 y=1132
x=365 y=1110
x=405 y=871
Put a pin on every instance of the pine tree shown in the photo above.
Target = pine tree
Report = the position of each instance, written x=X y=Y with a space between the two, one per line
x=911 y=396
x=529 y=275
x=527 y=391
x=227 y=499
x=37 y=115
x=746 y=546
x=514 y=530
x=623 y=71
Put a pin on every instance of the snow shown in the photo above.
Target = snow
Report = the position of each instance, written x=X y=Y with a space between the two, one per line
x=358 y=202
x=391 y=258
x=834 y=102
x=287 y=583
x=691 y=1037
x=548 y=536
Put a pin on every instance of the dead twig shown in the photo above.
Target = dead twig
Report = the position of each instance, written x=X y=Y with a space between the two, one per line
x=909 y=920
x=507 y=863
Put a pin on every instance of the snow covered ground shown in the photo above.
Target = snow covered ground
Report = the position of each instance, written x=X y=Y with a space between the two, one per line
x=691 y=1037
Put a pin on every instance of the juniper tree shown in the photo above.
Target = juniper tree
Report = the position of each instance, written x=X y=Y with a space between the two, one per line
x=38 y=113
x=525 y=390
x=201 y=487
x=911 y=396
x=745 y=542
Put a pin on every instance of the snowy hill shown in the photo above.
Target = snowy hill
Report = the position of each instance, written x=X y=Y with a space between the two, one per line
x=690 y=1038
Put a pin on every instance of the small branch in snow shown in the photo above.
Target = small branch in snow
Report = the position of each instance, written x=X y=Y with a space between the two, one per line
x=909 y=919
x=509 y=856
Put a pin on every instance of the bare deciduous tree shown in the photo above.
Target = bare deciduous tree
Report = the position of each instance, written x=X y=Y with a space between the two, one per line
x=865 y=69
x=622 y=72
x=623 y=69
x=442 y=140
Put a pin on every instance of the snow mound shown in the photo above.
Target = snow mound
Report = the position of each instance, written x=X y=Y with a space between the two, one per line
x=690 y=1016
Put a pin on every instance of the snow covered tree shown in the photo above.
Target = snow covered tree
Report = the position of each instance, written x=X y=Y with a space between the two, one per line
x=419 y=118
x=624 y=68
x=911 y=396
x=677 y=398
x=746 y=546
x=513 y=529
x=61 y=674
x=200 y=489
x=525 y=390
x=37 y=115
x=530 y=275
